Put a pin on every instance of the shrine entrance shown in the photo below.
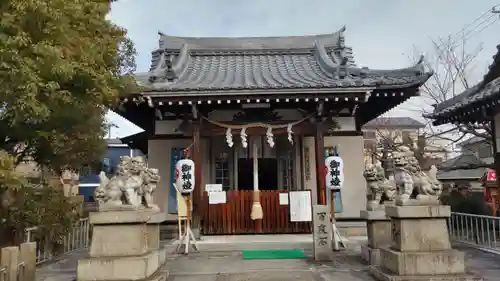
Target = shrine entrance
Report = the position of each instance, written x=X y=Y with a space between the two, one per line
x=268 y=174
x=285 y=95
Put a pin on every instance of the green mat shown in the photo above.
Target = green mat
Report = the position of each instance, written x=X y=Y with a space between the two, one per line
x=273 y=254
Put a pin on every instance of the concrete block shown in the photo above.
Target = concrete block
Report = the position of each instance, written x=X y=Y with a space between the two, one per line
x=381 y=274
x=424 y=235
x=28 y=257
x=378 y=215
x=370 y=255
x=432 y=211
x=120 y=240
x=447 y=262
x=379 y=233
x=121 y=216
x=123 y=269
x=153 y=236
x=9 y=257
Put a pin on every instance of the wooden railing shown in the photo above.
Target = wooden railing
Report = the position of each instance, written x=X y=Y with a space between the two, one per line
x=234 y=216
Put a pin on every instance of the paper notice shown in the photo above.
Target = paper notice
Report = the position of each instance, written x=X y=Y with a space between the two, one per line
x=218 y=197
x=283 y=198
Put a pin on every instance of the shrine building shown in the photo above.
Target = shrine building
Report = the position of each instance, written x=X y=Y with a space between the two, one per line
x=299 y=99
x=478 y=107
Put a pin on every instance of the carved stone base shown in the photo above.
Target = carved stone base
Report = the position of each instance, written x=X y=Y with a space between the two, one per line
x=124 y=246
x=384 y=275
x=423 y=263
x=421 y=201
x=374 y=206
x=370 y=255
x=420 y=248
x=122 y=268
x=379 y=234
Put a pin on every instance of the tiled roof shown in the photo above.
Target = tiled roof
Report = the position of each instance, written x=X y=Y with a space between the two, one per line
x=461 y=174
x=195 y=65
x=471 y=140
x=487 y=89
x=465 y=166
x=394 y=122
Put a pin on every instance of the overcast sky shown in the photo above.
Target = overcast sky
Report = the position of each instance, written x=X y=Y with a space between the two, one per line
x=382 y=33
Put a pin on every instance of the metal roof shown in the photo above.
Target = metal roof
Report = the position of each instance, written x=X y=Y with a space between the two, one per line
x=212 y=65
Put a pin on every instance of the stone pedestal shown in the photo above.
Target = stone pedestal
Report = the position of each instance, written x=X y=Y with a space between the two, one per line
x=322 y=233
x=123 y=247
x=379 y=235
x=420 y=248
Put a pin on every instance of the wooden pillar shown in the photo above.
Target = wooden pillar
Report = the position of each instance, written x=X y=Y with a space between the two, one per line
x=198 y=172
x=319 y=148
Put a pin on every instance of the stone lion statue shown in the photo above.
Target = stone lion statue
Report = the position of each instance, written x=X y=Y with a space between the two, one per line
x=426 y=185
x=131 y=187
x=410 y=178
x=378 y=185
x=373 y=190
x=388 y=186
x=402 y=175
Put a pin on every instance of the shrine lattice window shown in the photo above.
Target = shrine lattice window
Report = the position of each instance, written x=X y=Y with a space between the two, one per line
x=222 y=173
x=222 y=156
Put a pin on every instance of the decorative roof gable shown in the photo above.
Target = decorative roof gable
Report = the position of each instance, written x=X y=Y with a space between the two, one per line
x=194 y=65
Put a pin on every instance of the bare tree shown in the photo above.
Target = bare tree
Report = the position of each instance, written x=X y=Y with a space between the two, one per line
x=453 y=62
x=390 y=140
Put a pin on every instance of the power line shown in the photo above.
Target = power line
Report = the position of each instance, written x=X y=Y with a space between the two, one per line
x=488 y=25
x=470 y=33
x=473 y=31
x=492 y=10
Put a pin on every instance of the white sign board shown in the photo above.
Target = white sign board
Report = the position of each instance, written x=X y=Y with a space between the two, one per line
x=213 y=187
x=283 y=198
x=218 y=197
x=300 y=206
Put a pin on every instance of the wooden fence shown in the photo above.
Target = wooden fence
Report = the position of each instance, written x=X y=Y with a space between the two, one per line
x=234 y=216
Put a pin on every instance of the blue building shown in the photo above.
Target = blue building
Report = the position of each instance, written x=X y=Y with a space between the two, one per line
x=89 y=178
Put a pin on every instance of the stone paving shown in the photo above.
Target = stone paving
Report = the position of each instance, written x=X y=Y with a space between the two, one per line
x=226 y=264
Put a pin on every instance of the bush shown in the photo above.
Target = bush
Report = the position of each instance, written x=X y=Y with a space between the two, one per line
x=24 y=205
x=470 y=204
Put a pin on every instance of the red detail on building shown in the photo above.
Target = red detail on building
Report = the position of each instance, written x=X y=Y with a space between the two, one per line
x=491 y=176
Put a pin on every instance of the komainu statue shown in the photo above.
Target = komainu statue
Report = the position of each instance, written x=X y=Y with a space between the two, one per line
x=130 y=188
x=427 y=186
x=378 y=185
x=402 y=175
x=388 y=186
x=411 y=179
x=373 y=189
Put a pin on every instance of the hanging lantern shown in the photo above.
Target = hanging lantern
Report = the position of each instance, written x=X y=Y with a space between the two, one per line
x=184 y=176
x=334 y=168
